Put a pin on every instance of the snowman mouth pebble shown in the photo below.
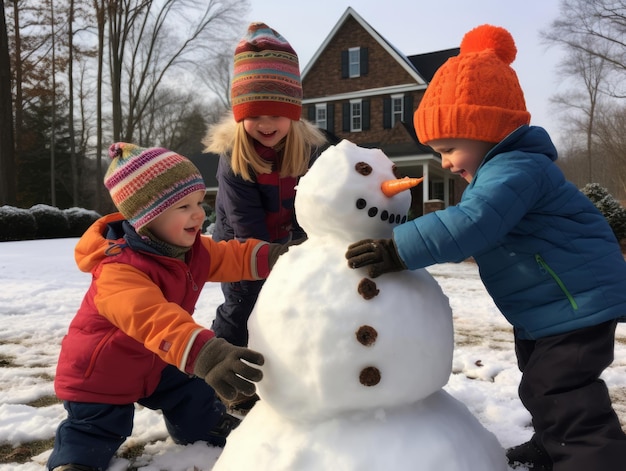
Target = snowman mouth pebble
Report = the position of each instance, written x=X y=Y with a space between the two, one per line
x=361 y=203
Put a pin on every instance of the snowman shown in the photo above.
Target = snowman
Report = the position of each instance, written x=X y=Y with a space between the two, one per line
x=354 y=368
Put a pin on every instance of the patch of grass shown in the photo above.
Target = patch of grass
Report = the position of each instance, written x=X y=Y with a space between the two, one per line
x=24 y=452
x=132 y=453
x=618 y=398
x=44 y=401
x=7 y=361
x=46 y=377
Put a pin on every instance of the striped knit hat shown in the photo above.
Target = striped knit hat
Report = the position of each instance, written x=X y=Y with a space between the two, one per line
x=266 y=76
x=475 y=95
x=145 y=182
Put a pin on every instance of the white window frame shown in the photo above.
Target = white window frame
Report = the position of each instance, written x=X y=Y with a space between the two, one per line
x=397 y=113
x=354 y=62
x=356 y=115
x=321 y=115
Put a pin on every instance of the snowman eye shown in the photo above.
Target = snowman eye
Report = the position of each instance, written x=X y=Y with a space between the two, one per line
x=396 y=172
x=363 y=168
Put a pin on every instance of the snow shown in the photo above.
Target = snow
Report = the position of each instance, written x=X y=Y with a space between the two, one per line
x=42 y=288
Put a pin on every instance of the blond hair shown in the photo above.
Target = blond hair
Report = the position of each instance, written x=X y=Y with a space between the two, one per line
x=297 y=148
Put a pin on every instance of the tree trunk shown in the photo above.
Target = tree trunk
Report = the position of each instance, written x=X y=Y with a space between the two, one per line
x=7 y=146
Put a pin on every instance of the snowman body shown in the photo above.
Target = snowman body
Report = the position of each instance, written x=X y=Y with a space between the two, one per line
x=354 y=366
x=437 y=433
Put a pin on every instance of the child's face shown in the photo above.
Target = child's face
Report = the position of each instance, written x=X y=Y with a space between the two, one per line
x=461 y=156
x=268 y=130
x=179 y=224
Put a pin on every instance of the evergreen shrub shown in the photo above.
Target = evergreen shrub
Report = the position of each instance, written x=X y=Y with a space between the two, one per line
x=51 y=222
x=612 y=210
x=16 y=224
x=79 y=220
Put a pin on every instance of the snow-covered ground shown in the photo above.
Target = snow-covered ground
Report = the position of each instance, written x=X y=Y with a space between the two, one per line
x=41 y=289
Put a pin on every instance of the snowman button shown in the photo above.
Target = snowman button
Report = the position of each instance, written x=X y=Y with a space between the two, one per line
x=367 y=289
x=370 y=376
x=366 y=335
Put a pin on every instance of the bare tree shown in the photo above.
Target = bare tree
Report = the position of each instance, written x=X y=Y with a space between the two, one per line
x=149 y=50
x=592 y=35
x=610 y=131
x=595 y=28
x=217 y=76
x=100 y=8
x=7 y=144
x=54 y=109
x=588 y=77
x=114 y=70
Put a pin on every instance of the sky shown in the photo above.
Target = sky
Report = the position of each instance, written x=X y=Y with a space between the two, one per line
x=422 y=27
x=42 y=288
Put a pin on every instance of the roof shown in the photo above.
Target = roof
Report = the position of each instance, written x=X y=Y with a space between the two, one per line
x=427 y=64
x=207 y=164
x=390 y=48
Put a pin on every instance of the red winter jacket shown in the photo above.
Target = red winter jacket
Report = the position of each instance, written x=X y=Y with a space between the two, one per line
x=136 y=316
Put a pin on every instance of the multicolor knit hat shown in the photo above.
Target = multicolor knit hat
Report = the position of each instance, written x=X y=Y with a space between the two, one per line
x=475 y=95
x=145 y=182
x=266 y=76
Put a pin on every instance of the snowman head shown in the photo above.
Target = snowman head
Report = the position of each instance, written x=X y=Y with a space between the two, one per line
x=343 y=194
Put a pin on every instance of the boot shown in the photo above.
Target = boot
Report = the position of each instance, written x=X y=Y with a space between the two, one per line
x=222 y=429
x=530 y=454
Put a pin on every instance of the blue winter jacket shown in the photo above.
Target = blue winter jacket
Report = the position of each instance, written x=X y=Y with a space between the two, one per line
x=546 y=255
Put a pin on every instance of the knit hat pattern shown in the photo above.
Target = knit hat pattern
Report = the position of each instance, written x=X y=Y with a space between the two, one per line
x=144 y=182
x=266 y=76
x=475 y=95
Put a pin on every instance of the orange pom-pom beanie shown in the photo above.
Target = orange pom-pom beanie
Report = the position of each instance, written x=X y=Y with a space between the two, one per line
x=475 y=95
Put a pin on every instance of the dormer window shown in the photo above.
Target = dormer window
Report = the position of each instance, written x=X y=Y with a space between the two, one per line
x=354 y=62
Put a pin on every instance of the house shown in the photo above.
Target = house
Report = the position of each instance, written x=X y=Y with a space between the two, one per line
x=359 y=87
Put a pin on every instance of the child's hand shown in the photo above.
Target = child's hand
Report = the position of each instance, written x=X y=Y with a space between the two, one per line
x=220 y=364
x=380 y=255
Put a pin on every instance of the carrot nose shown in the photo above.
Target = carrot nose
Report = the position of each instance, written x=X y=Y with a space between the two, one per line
x=393 y=187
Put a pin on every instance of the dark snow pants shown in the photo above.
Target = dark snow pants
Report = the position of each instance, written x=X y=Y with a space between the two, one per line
x=570 y=406
x=231 y=317
x=93 y=432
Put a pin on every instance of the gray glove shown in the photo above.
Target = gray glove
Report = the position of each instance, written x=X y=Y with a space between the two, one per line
x=276 y=250
x=220 y=364
x=381 y=256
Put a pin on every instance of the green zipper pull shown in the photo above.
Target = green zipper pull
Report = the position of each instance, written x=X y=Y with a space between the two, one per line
x=546 y=269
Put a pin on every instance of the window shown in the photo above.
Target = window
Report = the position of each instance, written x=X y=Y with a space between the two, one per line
x=436 y=190
x=355 y=115
x=321 y=119
x=397 y=109
x=354 y=62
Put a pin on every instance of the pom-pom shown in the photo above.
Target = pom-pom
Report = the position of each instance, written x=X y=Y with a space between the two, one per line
x=115 y=150
x=487 y=37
